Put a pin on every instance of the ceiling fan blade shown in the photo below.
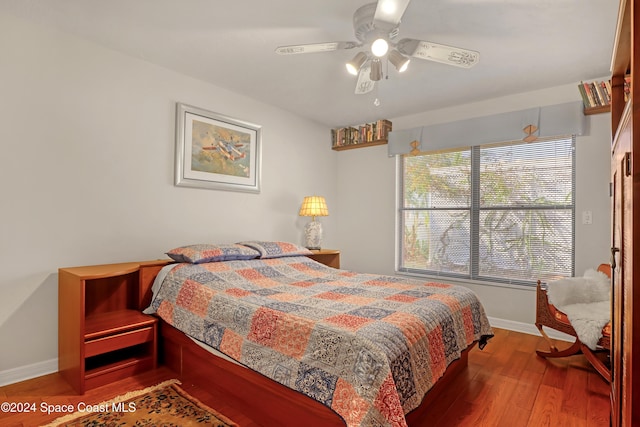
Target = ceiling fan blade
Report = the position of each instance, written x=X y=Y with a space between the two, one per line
x=315 y=47
x=439 y=53
x=364 y=84
x=390 y=11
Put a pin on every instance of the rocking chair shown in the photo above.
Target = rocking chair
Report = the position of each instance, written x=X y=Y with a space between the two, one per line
x=548 y=315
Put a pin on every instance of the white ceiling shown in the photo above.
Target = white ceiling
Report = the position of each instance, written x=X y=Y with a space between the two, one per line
x=524 y=45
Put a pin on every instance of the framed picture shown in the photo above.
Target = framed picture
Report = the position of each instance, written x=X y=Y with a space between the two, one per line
x=215 y=151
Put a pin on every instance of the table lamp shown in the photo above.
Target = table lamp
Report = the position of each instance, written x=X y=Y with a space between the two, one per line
x=313 y=206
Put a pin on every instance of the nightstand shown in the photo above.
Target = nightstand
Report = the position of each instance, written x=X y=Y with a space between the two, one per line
x=328 y=257
x=103 y=335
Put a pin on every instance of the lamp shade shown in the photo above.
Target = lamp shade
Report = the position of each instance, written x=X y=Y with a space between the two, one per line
x=314 y=206
x=353 y=67
x=398 y=60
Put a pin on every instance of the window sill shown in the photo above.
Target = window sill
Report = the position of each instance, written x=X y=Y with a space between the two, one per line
x=465 y=282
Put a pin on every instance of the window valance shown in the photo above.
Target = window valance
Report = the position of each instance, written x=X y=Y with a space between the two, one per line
x=527 y=125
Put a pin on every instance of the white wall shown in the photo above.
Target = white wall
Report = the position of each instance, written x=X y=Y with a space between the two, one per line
x=367 y=200
x=87 y=139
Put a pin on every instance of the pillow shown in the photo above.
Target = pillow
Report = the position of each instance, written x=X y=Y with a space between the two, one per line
x=198 y=254
x=276 y=249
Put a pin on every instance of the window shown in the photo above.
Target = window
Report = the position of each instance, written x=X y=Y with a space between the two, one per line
x=499 y=213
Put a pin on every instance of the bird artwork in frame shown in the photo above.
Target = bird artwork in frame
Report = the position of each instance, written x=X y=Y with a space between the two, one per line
x=215 y=151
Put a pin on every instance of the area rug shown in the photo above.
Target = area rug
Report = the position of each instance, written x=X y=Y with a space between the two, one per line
x=165 y=404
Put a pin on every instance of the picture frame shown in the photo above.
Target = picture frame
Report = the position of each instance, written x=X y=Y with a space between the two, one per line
x=215 y=151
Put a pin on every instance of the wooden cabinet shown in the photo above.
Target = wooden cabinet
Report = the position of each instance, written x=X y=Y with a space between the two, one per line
x=103 y=335
x=328 y=257
x=625 y=180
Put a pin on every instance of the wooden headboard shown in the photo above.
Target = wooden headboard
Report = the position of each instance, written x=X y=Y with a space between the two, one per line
x=147 y=274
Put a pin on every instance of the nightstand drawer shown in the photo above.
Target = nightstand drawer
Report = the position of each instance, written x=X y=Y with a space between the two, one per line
x=118 y=341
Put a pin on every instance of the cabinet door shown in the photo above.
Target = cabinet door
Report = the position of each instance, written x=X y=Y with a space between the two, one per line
x=618 y=252
x=626 y=327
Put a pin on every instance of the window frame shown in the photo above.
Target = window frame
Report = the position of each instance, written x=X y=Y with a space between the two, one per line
x=474 y=211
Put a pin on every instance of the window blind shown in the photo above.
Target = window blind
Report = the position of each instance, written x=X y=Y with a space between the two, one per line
x=501 y=212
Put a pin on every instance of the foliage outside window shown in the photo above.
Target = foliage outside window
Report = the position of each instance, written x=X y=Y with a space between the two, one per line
x=499 y=213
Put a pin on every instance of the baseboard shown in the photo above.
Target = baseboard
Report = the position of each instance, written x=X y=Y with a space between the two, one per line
x=27 y=372
x=528 y=328
x=22 y=373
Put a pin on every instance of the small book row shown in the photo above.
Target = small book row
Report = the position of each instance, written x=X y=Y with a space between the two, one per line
x=355 y=135
x=595 y=94
x=598 y=94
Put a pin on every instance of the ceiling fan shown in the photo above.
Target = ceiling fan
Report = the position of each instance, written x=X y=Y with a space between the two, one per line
x=377 y=25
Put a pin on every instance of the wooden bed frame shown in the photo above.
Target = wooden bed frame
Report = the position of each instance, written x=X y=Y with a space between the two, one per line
x=261 y=398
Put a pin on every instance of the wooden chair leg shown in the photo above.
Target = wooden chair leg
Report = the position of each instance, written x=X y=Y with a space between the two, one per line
x=575 y=348
x=546 y=337
x=597 y=363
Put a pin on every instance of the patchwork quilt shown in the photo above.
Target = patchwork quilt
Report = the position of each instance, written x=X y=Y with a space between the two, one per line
x=367 y=346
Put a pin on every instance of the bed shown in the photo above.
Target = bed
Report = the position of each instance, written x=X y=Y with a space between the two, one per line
x=330 y=346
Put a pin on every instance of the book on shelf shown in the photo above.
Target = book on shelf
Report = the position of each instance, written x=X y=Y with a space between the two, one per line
x=598 y=94
x=595 y=94
x=354 y=135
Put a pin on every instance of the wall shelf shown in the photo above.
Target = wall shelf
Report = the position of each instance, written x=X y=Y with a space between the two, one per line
x=359 y=145
x=597 y=110
x=365 y=135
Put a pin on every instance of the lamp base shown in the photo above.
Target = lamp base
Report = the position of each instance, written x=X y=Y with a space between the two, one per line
x=313 y=235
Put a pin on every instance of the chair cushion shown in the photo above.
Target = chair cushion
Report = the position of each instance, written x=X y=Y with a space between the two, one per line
x=561 y=317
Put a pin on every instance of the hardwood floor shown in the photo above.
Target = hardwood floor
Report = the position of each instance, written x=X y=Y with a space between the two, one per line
x=506 y=384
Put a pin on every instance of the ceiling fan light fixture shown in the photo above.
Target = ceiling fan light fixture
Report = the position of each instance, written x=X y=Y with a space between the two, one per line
x=376 y=26
x=399 y=61
x=376 y=70
x=379 y=47
x=353 y=66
